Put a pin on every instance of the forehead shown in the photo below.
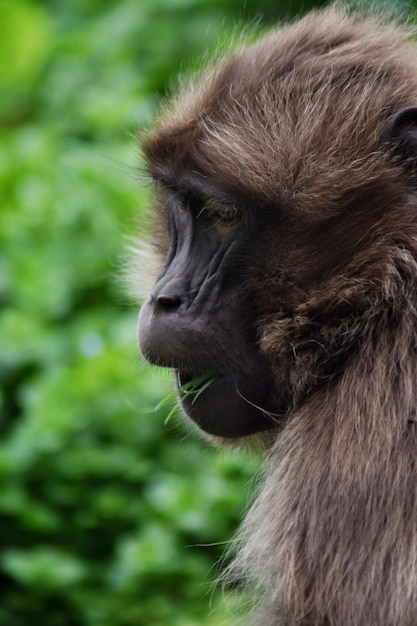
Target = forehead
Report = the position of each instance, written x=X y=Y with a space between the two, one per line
x=299 y=112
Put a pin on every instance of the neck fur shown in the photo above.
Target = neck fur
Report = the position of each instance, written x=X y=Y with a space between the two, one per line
x=332 y=538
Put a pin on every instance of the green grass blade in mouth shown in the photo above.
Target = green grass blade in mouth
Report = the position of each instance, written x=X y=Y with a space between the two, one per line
x=195 y=387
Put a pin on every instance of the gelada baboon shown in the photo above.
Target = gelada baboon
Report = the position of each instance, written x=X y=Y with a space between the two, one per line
x=286 y=216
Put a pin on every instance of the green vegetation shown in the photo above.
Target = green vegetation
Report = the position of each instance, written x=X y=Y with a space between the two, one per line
x=107 y=517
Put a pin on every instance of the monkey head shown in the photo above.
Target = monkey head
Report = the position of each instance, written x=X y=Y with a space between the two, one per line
x=281 y=179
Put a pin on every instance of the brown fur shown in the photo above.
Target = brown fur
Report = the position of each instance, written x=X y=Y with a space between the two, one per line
x=293 y=124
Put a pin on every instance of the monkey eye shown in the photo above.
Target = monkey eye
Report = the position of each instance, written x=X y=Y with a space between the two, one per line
x=224 y=217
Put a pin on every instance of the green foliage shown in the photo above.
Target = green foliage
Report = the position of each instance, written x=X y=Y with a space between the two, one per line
x=107 y=517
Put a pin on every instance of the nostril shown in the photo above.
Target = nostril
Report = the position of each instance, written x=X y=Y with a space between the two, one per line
x=168 y=303
x=168 y=296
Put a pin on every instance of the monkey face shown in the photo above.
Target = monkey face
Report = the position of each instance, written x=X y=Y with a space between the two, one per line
x=197 y=319
x=279 y=204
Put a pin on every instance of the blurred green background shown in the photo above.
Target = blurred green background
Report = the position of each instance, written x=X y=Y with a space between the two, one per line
x=108 y=517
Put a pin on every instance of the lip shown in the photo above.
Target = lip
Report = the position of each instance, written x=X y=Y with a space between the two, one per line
x=208 y=401
x=222 y=405
x=193 y=384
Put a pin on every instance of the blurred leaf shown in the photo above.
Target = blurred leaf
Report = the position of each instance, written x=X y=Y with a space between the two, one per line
x=26 y=35
x=43 y=566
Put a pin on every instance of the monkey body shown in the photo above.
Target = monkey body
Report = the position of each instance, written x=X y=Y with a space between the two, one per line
x=286 y=223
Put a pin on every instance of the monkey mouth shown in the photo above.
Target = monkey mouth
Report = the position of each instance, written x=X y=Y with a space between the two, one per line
x=193 y=384
x=214 y=403
x=202 y=396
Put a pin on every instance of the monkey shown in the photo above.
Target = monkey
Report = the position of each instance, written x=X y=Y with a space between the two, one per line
x=285 y=228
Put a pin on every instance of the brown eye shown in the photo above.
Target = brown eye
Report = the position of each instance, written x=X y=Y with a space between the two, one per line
x=223 y=217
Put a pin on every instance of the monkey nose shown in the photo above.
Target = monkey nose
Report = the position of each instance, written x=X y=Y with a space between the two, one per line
x=169 y=296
